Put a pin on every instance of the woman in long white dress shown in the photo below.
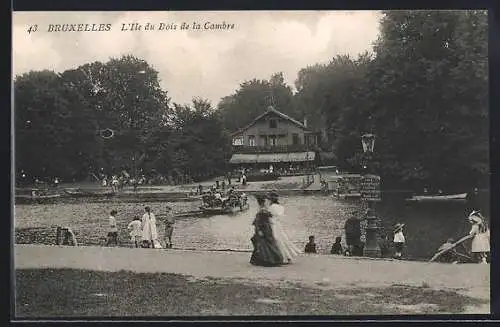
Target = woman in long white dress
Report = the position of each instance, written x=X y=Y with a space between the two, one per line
x=149 y=232
x=287 y=248
x=481 y=236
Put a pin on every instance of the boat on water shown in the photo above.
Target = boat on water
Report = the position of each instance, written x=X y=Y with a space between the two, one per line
x=34 y=195
x=349 y=195
x=221 y=210
x=83 y=193
x=447 y=197
x=221 y=206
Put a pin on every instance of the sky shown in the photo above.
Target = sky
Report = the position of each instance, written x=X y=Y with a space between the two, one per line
x=202 y=63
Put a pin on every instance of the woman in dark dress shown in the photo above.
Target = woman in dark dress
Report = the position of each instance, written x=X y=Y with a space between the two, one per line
x=266 y=252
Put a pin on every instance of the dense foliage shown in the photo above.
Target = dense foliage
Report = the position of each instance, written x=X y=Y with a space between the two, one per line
x=60 y=119
x=423 y=91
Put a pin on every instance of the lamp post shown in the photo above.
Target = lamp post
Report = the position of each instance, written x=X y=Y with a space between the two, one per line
x=370 y=191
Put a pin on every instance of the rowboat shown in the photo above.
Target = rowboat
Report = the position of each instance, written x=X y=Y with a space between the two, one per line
x=75 y=193
x=224 y=210
x=449 y=197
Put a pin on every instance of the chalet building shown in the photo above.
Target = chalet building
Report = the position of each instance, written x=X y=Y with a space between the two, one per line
x=274 y=139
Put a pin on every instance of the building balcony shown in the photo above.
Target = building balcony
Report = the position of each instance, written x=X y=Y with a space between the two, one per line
x=274 y=149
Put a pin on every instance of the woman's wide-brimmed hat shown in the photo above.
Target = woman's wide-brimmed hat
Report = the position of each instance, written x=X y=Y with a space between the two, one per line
x=398 y=227
x=475 y=216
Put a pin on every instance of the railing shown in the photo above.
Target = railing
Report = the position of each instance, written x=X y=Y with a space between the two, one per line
x=274 y=149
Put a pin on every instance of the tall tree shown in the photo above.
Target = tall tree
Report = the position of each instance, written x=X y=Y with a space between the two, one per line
x=428 y=89
x=253 y=98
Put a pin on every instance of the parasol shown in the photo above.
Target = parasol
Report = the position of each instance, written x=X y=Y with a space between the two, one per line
x=441 y=251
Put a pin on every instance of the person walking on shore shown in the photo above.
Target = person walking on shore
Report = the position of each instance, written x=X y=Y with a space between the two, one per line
x=481 y=236
x=265 y=249
x=287 y=248
x=149 y=232
x=169 y=227
x=135 y=232
x=113 y=229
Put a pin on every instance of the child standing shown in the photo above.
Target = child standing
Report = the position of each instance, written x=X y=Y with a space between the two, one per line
x=169 y=227
x=399 y=240
x=113 y=229
x=481 y=236
x=135 y=229
x=311 y=246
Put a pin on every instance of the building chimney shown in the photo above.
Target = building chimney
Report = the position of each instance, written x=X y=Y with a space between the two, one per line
x=305 y=122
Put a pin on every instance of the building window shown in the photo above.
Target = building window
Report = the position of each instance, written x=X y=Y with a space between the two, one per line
x=238 y=140
x=273 y=140
x=251 y=140
x=272 y=123
x=295 y=139
x=263 y=140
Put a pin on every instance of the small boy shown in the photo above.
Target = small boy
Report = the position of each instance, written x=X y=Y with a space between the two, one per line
x=135 y=229
x=311 y=246
x=169 y=227
x=113 y=229
x=399 y=240
x=337 y=247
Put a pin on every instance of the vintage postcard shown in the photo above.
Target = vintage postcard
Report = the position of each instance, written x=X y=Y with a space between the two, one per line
x=250 y=163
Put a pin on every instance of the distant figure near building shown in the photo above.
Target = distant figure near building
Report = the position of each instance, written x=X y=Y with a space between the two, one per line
x=337 y=246
x=310 y=246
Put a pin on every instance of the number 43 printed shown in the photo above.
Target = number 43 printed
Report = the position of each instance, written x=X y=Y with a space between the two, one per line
x=32 y=29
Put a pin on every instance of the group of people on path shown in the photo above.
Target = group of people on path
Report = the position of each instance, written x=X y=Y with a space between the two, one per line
x=143 y=231
x=271 y=245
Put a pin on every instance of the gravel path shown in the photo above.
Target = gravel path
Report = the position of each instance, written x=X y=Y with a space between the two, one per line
x=312 y=270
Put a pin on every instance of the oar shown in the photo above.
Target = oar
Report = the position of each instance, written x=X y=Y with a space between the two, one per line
x=451 y=247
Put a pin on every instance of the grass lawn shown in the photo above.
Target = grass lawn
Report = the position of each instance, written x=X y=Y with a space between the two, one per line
x=43 y=293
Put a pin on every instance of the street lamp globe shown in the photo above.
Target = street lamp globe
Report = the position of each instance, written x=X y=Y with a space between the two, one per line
x=368 y=142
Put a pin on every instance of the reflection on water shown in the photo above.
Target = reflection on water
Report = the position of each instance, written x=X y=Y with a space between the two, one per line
x=427 y=225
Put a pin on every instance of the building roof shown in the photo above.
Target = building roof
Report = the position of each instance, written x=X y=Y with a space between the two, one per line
x=271 y=110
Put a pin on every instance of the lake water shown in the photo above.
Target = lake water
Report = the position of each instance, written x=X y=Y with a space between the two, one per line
x=427 y=224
